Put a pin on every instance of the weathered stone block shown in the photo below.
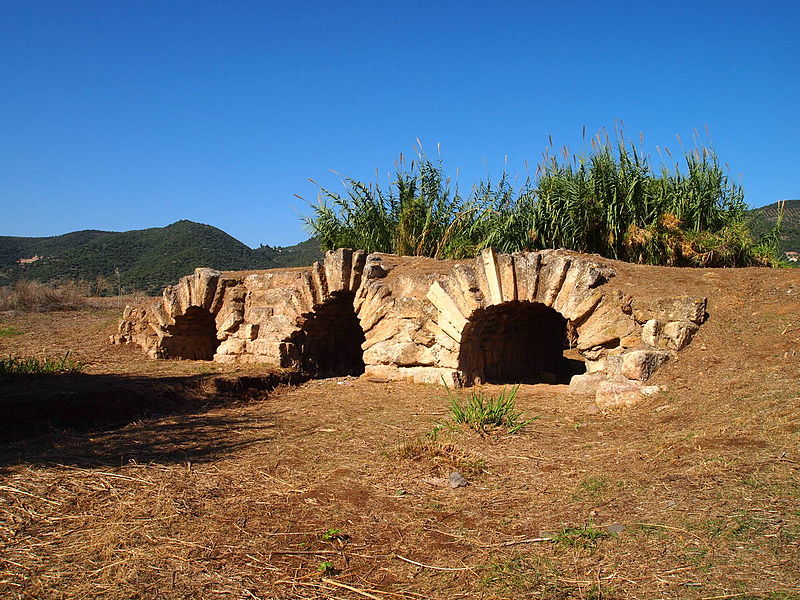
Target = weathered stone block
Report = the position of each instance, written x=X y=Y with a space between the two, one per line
x=605 y=327
x=585 y=385
x=389 y=372
x=508 y=280
x=597 y=365
x=488 y=260
x=617 y=394
x=651 y=332
x=337 y=269
x=205 y=286
x=679 y=333
x=393 y=353
x=357 y=269
x=532 y=275
x=375 y=271
x=319 y=281
x=682 y=308
x=674 y=335
x=553 y=278
x=230 y=322
x=641 y=364
x=231 y=346
x=448 y=309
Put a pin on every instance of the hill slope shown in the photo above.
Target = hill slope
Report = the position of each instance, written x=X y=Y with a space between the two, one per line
x=146 y=259
x=766 y=216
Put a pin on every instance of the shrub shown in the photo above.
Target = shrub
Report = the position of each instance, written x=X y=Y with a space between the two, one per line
x=609 y=202
x=419 y=215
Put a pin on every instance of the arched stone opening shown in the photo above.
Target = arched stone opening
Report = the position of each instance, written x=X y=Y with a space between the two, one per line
x=193 y=336
x=329 y=341
x=518 y=342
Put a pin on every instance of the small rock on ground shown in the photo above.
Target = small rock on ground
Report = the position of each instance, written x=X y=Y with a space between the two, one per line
x=457 y=480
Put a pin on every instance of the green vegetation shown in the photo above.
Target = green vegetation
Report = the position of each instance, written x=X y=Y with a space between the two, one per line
x=765 y=218
x=580 y=537
x=591 y=489
x=333 y=534
x=484 y=413
x=9 y=331
x=19 y=365
x=609 y=201
x=523 y=574
x=141 y=260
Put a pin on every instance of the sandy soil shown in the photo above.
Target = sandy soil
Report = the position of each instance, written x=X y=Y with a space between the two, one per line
x=325 y=490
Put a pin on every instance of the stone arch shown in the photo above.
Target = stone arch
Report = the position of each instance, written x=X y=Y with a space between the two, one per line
x=419 y=318
x=330 y=339
x=516 y=294
x=192 y=335
x=516 y=342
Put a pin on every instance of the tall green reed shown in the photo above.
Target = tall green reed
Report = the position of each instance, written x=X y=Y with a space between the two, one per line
x=607 y=201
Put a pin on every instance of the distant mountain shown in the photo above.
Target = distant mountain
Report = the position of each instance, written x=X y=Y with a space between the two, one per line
x=765 y=218
x=142 y=259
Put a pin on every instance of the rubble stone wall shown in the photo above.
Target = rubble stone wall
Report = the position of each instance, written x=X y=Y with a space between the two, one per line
x=499 y=317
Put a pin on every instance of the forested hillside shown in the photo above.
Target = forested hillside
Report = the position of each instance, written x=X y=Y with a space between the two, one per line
x=766 y=216
x=144 y=259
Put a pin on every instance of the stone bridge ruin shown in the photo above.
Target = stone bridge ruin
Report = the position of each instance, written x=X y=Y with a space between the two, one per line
x=549 y=316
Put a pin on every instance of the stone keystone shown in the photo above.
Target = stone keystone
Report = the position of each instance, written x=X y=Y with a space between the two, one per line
x=492 y=277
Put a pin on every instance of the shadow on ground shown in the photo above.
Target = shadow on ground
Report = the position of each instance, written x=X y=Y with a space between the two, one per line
x=90 y=420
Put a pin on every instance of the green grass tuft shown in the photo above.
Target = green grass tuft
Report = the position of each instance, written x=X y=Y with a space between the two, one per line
x=20 y=365
x=484 y=413
x=580 y=537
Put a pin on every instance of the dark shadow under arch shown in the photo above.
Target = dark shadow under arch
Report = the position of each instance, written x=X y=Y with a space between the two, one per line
x=329 y=341
x=517 y=342
x=193 y=336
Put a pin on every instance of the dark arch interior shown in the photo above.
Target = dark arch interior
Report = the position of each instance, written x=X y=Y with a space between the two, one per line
x=193 y=336
x=517 y=342
x=330 y=339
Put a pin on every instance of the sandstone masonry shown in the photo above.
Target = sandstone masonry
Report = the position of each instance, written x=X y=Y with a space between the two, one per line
x=497 y=318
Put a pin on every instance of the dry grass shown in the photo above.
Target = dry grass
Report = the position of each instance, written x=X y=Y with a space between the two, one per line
x=234 y=501
x=34 y=296
x=40 y=297
x=442 y=458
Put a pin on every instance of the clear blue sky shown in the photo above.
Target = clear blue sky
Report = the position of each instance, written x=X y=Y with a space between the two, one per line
x=123 y=115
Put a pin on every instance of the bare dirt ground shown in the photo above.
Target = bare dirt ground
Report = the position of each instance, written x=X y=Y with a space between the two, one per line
x=319 y=490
